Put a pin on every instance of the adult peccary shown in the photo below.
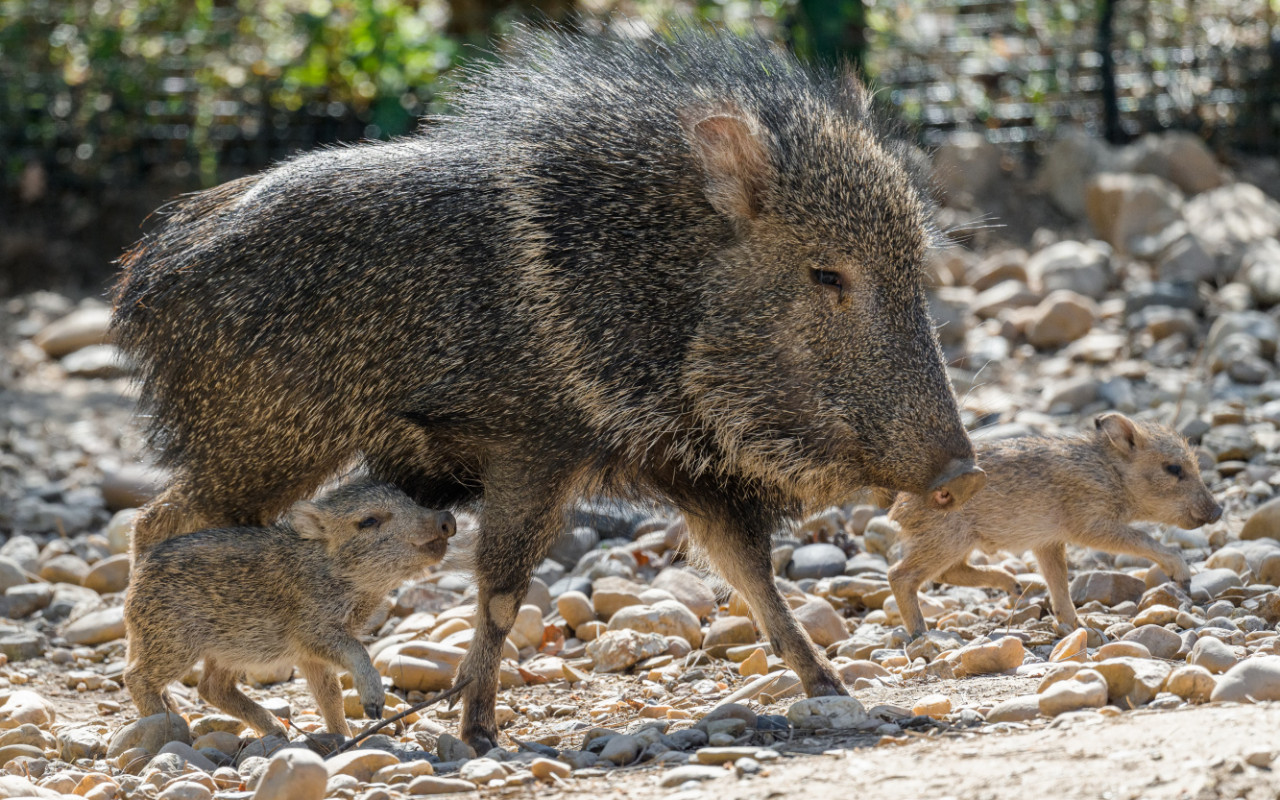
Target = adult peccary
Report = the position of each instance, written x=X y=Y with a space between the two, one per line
x=684 y=266
x=296 y=592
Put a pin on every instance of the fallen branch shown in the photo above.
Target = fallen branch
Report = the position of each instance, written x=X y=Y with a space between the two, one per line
x=445 y=695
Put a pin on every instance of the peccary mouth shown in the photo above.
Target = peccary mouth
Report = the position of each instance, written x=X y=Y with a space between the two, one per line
x=959 y=481
x=433 y=549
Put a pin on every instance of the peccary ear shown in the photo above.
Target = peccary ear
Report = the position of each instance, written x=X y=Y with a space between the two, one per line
x=733 y=158
x=1120 y=430
x=309 y=521
x=852 y=94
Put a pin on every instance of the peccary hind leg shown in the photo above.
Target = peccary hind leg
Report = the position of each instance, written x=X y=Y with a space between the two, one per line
x=739 y=545
x=217 y=687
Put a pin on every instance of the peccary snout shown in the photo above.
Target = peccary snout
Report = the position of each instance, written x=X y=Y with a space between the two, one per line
x=1212 y=515
x=446 y=524
x=956 y=484
x=438 y=524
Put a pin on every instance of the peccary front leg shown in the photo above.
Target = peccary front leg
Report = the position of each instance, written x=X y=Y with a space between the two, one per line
x=740 y=547
x=518 y=524
x=1052 y=560
x=1120 y=538
x=327 y=691
x=335 y=645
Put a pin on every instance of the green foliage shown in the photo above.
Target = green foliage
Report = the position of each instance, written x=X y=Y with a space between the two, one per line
x=89 y=79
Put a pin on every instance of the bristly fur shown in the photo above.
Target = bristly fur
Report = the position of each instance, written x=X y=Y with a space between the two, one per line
x=610 y=270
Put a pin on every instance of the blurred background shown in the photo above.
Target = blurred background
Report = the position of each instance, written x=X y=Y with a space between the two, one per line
x=110 y=107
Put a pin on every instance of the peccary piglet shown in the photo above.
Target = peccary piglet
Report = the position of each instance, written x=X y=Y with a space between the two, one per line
x=1044 y=493
x=295 y=592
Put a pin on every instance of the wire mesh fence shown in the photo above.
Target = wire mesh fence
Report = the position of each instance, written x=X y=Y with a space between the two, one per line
x=107 y=105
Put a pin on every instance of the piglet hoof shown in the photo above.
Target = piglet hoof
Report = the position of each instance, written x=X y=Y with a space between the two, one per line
x=1065 y=628
x=827 y=687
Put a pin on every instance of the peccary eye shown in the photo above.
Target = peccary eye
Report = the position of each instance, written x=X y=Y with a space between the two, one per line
x=825 y=277
x=1174 y=469
x=367 y=522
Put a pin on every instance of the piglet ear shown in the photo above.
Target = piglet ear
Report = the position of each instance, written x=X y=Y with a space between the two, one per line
x=1120 y=430
x=733 y=157
x=309 y=522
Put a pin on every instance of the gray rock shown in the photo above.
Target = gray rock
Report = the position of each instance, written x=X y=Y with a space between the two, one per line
x=96 y=627
x=451 y=748
x=1257 y=325
x=263 y=748
x=539 y=595
x=816 y=561
x=1187 y=259
x=1252 y=680
x=150 y=734
x=1069 y=163
x=573 y=545
x=293 y=774
x=570 y=583
x=189 y=755
x=1231 y=443
x=1125 y=207
x=964 y=166
x=11 y=574
x=690 y=772
x=1212 y=654
x=97 y=361
x=1015 y=709
x=617 y=650
x=1163 y=293
x=622 y=749
x=1230 y=218
x=1079 y=267
x=1164 y=321
x=1002 y=297
x=1160 y=642
x=76 y=743
x=1107 y=587
x=866 y=564
x=1071 y=394
x=1209 y=584
x=814 y=713
x=23 y=551
x=550 y=571
x=23 y=646
x=481 y=771
x=688 y=588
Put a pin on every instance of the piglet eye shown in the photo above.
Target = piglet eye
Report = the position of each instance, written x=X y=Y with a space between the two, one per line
x=367 y=522
x=1174 y=469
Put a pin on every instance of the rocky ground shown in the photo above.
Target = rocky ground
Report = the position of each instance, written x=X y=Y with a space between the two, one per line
x=1146 y=281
